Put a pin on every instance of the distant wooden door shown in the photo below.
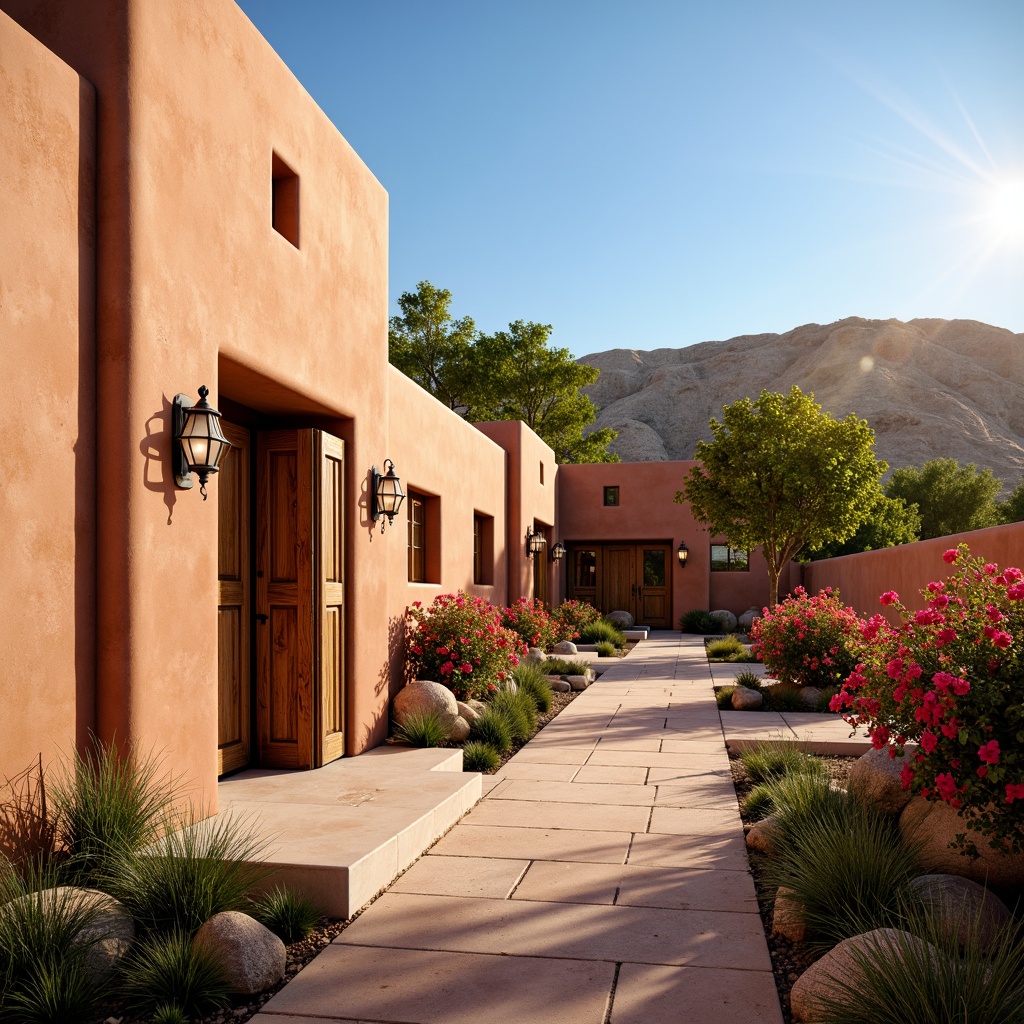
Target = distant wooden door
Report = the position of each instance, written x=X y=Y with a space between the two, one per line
x=299 y=598
x=233 y=609
x=618 y=581
x=654 y=598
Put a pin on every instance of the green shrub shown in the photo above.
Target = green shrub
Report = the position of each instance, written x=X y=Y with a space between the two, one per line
x=519 y=711
x=723 y=696
x=759 y=802
x=570 y=617
x=172 y=970
x=602 y=630
x=751 y=680
x=848 y=869
x=190 y=875
x=423 y=729
x=906 y=983
x=802 y=797
x=770 y=760
x=700 y=622
x=783 y=697
x=290 y=915
x=606 y=649
x=492 y=729
x=479 y=757
x=42 y=975
x=108 y=804
x=168 y=1013
x=531 y=681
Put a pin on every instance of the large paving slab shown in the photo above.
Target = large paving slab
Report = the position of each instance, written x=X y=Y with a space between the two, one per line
x=602 y=879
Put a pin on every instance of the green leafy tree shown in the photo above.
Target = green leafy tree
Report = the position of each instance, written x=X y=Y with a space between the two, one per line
x=890 y=521
x=949 y=497
x=528 y=380
x=435 y=350
x=782 y=474
x=1012 y=509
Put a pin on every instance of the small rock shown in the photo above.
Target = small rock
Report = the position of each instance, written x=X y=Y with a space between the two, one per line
x=466 y=712
x=620 y=619
x=875 y=779
x=788 y=916
x=746 y=699
x=933 y=824
x=578 y=682
x=763 y=835
x=475 y=705
x=459 y=730
x=424 y=696
x=727 y=618
x=838 y=971
x=810 y=695
x=564 y=647
x=558 y=684
x=253 y=956
x=535 y=656
x=962 y=908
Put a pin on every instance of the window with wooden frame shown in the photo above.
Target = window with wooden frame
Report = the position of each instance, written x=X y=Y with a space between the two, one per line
x=611 y=496
x=417 y=517
x=483 y=549
x=727 y=559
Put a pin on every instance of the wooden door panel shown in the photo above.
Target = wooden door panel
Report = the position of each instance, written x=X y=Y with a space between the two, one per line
x=617 y=578
x=284 y=599
x=233 y=610
x=654 y=566
x=330 y=599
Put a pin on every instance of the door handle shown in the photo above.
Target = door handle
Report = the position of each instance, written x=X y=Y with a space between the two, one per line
x=262 y=618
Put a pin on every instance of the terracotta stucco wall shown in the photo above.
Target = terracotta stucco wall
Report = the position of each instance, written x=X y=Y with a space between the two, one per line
x=907 y=569
x=531 y=502
x=437 y=453
x=47 y=418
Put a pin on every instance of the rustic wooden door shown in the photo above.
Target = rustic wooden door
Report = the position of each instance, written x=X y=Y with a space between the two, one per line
x=653 y=595
x=618 y=580
x=300 y=608
x=233 y=608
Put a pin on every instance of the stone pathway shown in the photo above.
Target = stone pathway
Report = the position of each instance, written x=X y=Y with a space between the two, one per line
x=603 y=879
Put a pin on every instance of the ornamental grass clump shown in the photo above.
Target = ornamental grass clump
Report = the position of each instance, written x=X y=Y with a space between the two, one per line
x=729 y=648
x=290 y=915
x=909 y=981
x=751 y=680
x=519 y=711
x=493 y=729
x=460 y=641
x=423 y=729
x=530 y=621
x=767 y=761
x=700 y=622
x=783 y=697
x=809 y=641
x=606 y=649
x=479 y=757
x=531 y=681
x=723 y=696
x=950 y=678
x=561 y=667
x=602 y=630
x=569 y=618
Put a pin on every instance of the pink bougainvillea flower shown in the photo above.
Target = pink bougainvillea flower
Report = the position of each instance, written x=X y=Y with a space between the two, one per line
x=889 y=597
x=946 y=785
x=950 y=556
x=1014 y=791
x=989 y=752
x=929 y=741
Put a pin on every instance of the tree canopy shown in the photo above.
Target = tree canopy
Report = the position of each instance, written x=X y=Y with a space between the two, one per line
x=1012 y=509
x=512 y=374
x=950 y=498
x=890 y=521
x=783 y=474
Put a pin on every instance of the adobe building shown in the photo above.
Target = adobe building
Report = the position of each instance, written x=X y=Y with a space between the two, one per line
x=178 y=212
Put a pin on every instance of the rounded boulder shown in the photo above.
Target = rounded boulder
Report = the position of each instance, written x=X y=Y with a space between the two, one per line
x=727 y=618
x=934 y=825
x=745 y=699
x=788 y=916
x=253 y=956
x=746 y=620
x=423 y=697
x=962 y=908
x=564 y=647
x=535 y=656
x=620 y=619
x=875 y=779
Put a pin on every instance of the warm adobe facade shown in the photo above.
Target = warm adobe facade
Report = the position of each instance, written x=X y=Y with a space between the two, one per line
x=177 y=211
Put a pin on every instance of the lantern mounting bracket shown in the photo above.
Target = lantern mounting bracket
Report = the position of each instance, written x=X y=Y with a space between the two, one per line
x=182 y=474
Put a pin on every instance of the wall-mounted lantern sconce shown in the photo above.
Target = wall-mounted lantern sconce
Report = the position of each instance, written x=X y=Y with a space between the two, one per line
x=386 y=495
x=682 y=553
x=558 y=552
x=199 y=443
x=535 y=541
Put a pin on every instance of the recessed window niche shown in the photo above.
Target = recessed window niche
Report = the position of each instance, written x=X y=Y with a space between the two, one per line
x=285 y=200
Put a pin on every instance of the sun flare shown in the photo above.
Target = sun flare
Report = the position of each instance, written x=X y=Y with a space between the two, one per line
x=1006 y=209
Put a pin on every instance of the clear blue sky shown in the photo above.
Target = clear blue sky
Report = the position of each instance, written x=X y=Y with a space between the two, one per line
x=651 y=173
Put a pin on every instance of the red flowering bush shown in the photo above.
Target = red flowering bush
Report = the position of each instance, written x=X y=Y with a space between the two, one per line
x=460 y=641
x=810 y=641
x=530 y=621
x=569 y=618
x=951 y=678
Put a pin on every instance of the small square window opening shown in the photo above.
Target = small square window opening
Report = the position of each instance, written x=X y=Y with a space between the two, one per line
x=611 y=496
x=284 y=208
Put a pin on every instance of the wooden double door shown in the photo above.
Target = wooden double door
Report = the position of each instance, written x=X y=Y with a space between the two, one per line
x=633 y=577
x=281 y=635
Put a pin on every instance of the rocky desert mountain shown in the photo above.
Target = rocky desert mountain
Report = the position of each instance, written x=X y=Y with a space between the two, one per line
x=928 y=388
